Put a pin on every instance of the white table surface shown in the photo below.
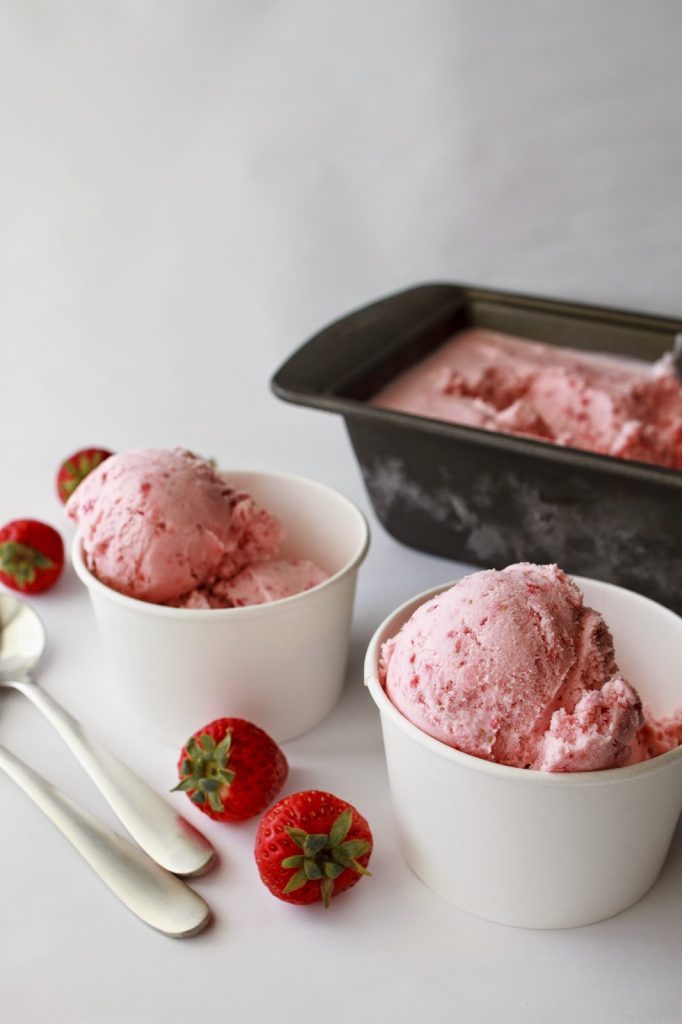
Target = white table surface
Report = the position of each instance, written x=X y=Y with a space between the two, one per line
x=187 y=190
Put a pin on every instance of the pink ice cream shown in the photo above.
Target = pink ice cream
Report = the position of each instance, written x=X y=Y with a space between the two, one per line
x=512 y=667
x=613 y=405
x=259 y=583
x=163 y=526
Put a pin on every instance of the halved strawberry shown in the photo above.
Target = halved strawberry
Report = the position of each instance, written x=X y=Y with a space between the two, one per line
x=75 y=469
x=31 y=555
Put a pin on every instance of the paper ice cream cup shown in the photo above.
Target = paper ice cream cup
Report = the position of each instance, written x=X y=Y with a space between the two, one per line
x=530 y=848
x=281 y=665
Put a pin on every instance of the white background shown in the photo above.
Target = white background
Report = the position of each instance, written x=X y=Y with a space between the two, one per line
x=188 y=190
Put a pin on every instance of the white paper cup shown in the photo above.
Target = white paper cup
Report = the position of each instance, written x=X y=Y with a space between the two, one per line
x=537 y=849
x=281 y=665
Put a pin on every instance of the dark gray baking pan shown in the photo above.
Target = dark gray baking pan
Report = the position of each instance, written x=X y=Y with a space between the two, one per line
x=489 y=498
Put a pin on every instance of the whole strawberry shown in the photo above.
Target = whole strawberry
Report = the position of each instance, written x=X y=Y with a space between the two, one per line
x=31 y=556
x=231 y=769
x=75 y=469
x=311 y=846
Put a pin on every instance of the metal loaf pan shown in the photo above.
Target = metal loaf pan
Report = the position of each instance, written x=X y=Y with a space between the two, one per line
x=488 y=498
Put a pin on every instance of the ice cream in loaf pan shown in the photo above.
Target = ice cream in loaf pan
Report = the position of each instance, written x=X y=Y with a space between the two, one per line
x=612 y=405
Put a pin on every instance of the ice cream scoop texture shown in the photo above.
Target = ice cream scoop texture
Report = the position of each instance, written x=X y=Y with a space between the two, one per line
x=609 y=404
x=164 y=526
x=513 y=667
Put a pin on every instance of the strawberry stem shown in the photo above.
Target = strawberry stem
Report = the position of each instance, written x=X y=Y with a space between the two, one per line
x=325 y=857
x=205 y=770
x=22 y=562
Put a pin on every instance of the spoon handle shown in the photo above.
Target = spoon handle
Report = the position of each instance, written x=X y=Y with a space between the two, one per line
x=153 y=894
x=163 y=833
x=677 y=356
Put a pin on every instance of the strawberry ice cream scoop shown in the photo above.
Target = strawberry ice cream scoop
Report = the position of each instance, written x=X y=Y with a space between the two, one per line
x=512 y=667
x=155 y=524
x=259 y=583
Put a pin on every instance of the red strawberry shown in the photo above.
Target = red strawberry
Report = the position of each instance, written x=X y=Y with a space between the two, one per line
x=231 y=769
x=75 y=469
x=311 y=846
x=31 y=555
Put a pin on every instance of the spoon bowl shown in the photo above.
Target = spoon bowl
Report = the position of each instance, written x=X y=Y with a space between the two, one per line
x=163 y=833
x=22 y=637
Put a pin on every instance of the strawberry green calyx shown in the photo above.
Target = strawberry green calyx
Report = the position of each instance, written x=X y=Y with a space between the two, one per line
x=205 y=770
x=78 y=467
x=22 y=562
x=325 y=857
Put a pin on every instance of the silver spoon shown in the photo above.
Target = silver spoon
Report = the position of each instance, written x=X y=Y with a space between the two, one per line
x=677 y=356
x=151 y=821
x=149 y=891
